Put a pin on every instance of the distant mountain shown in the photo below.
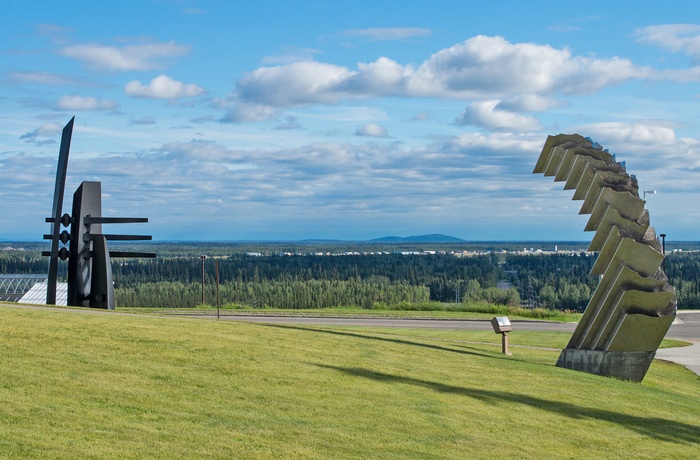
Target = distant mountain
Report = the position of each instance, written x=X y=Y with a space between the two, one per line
x=434 y=238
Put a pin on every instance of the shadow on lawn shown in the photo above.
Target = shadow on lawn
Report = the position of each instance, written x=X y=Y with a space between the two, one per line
x=657 y=428
x=386 y=339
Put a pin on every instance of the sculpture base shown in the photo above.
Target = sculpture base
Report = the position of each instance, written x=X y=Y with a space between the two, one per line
x=624 y=365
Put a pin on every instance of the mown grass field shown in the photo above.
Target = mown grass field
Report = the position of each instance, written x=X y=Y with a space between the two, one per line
x=94 y=385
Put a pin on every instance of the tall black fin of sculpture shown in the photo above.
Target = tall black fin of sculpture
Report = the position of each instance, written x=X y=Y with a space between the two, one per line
x=90 y=282
x=633 y=306
x=56 y=213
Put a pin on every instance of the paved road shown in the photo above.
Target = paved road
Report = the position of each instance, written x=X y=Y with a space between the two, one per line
x=401 y=323
x=687 y=325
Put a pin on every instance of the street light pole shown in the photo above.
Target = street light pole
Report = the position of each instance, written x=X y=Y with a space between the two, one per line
x=663 y=251
x=644 y=195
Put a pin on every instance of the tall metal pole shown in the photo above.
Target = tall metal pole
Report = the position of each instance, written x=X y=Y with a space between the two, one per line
x=217 y=290
x=203 y=257
x=663 y=243
x=663 y=250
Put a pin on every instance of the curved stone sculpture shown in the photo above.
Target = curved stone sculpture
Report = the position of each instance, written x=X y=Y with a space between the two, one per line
x=633 y=306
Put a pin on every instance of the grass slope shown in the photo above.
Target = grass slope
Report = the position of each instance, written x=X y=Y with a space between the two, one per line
x=82 y=385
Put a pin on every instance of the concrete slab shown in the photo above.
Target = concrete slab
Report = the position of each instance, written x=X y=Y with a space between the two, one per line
x=686 y=356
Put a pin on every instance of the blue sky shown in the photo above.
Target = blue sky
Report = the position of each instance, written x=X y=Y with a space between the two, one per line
x=276 y=120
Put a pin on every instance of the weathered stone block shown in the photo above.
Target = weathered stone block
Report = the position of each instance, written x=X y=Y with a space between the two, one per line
x=642 y=258
x=630 y=303
x=581 y=162
x=627 y=205
x=639 y=333
x=606 y=179
x=622 y=365
x=553 y=141
x=612 y=218
x=622 y=278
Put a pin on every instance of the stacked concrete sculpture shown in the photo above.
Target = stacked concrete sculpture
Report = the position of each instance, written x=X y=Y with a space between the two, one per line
x=633 y=306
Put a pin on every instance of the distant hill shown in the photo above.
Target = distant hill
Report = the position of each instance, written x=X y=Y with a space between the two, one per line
x=434 y=238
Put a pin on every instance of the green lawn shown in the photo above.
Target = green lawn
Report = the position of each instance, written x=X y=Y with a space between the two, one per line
x=94 y=385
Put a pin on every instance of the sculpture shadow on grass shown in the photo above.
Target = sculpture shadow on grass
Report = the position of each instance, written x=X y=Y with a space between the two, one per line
x=653 y=427
x=391 y=340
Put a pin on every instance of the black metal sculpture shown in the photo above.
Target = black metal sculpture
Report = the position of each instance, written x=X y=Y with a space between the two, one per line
x=90 y=282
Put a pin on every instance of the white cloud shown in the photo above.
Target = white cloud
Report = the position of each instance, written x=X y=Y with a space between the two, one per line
x=618 y=133
x=163 y=87
x=491 y=67
x=293 y=84
x=243 y=113
x=676 y=38
x=382 y=77
x=487 y=115
x=371 y=130
x=43 y=134
x=388 y=33
x=85 y=103
x=133 y=57
x=529 y=103
x=526 y=76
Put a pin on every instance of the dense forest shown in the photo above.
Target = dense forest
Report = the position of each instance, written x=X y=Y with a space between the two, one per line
x=299 y=276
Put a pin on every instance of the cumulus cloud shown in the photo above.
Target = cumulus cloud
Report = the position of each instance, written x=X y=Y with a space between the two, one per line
x=495 y=67
x=676 y=38
x=388 y=33
x=526 y=76
x=85 y=103
x=144 y=56
x=457 y=178
x=620 y=133
x=163 y=87
x=43 y=134
x=486 y=114
x=371 y=130
x=294 y=84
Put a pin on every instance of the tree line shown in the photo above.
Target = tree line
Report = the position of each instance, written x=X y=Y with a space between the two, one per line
x=558 y=281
